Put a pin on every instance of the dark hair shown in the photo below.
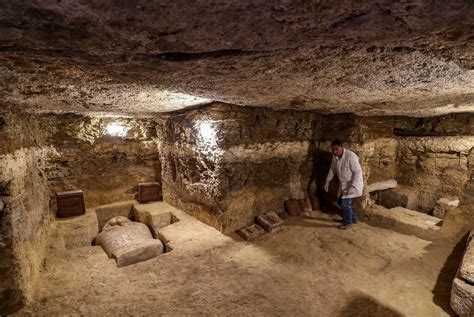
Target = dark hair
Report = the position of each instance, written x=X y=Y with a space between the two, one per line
x=336 y=142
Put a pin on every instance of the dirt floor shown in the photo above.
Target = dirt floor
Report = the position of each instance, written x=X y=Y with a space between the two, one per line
x=308 y=268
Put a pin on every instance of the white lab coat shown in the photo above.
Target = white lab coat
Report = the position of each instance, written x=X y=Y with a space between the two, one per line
x=349 y=172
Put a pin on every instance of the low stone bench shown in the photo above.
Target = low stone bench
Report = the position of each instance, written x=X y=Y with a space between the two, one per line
x=154 y=215
x=405 y=221
x=462 y=292
x=79 y=231
x=401 y=196
x=382 y=185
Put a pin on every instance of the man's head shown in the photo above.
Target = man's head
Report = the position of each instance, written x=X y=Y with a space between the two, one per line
x=336 y=147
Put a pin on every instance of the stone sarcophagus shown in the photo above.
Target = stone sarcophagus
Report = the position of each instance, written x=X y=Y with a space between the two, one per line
x=128 y=242
x=462 y=292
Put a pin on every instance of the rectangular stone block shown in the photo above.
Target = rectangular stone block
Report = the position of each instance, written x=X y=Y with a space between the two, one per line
x=142 y=251
x=79 y=231
x=405 y=221
x=402 y=196
x=251 y=232
x=383 y=185
x=462 y=298
x=443 y=205
x=269 y=221
x=107 y=212
x=462 y=292
x=153 y=215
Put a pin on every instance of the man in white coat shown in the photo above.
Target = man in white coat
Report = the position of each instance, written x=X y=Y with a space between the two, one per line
x=345 y=164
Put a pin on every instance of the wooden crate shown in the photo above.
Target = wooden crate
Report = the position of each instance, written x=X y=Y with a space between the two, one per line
x=70 y=203
x=149 y=192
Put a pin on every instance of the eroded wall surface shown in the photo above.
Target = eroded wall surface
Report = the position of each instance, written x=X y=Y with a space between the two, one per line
x=227 y=164
x=41 y=154
x=24 y=207
x=107 y=168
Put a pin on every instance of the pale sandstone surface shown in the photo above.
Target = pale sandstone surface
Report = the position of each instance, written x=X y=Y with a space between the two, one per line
x=383 y=273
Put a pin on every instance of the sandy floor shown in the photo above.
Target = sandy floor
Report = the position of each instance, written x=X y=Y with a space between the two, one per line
x=308 y=268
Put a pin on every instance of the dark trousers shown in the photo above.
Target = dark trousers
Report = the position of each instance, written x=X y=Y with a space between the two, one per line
x=349 y=216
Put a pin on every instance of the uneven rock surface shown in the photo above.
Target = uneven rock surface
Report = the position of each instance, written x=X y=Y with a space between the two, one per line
x=227 y=164
x=83 y=154
x=436 y=167
x=405 y=221
x=286 y=273
x=80 y=231
x=466 y=270
x=371 y=58
x=462 y=293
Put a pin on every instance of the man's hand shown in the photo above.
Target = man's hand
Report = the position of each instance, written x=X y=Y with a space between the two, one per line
x=326 y=187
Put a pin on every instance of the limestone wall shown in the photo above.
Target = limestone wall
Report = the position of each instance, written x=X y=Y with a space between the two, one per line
x=25 y=221
x=42 y=154
x=436 y=167
x=24 y=207
x=227 y=164
x=107 y=168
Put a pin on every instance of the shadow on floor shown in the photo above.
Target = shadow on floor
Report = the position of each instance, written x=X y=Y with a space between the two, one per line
x=442 y=289
x=363 y=305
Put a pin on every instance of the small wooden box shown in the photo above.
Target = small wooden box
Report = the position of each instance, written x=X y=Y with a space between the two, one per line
x=70 y=203
x=149 y=192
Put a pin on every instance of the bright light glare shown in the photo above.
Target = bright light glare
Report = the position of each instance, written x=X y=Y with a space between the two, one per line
x=207 y=133
x=114 y=129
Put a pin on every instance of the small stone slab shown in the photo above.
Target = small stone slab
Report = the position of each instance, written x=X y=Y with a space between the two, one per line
x=251 y=232
x=383 y=185
x=443 y=205
x=153 y=215
x=141 y=251
x=270 y=221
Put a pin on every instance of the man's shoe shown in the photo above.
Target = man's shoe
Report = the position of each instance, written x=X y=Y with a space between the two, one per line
x=345 y=227
x=355 y=221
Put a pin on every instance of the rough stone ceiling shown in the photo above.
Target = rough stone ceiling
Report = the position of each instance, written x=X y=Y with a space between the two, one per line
x=139 y=57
